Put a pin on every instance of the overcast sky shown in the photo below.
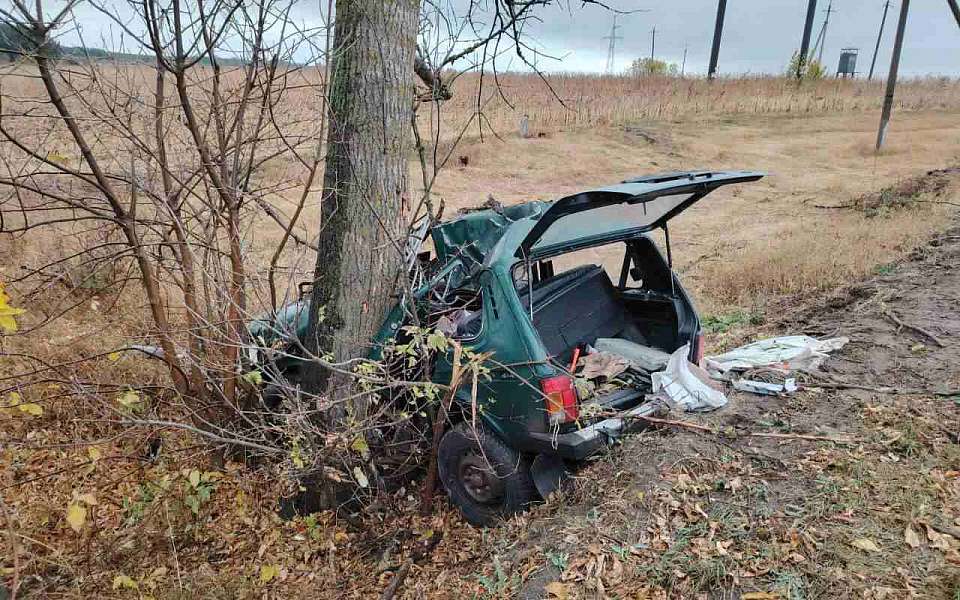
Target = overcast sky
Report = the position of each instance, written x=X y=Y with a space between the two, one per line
x=759 y=35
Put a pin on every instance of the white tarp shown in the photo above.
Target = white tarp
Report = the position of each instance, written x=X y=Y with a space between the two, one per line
x=790 y=353
x=681 y=386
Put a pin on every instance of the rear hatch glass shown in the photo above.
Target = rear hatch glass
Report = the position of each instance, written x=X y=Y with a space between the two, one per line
x=616 y=212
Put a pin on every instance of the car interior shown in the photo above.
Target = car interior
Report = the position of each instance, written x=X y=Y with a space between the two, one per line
x=573 y=308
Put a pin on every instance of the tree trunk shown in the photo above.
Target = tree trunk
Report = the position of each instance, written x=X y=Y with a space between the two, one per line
x=363 y=219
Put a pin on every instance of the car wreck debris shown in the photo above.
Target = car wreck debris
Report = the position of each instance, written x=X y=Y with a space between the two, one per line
x=790 y=353
x=685 y=385
x=765 y=388
x=779 y=356
x=644 y=357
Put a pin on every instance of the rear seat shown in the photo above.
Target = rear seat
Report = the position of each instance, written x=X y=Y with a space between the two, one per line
x=570 y=311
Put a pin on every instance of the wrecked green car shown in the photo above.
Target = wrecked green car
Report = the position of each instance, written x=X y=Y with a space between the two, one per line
x=539 y=285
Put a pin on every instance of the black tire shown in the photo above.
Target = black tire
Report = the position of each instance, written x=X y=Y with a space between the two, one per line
x=486 y=479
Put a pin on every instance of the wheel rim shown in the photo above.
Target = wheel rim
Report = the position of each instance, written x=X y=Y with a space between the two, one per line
x=479 y=479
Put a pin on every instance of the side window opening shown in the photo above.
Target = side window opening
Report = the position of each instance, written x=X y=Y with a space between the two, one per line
x=550 y=273
x=460 y=315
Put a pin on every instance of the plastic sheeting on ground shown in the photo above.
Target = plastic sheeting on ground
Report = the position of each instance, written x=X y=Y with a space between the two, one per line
x=790 y=353
x=685 y=385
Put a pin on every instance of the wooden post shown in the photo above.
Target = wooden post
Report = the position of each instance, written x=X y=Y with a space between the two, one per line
x=955 y=9
x=892 y=77
x=717 y=34
x=805 y=42
x=883 y=21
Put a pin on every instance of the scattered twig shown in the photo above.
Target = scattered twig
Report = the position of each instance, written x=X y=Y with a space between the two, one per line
x=800 y=436
x=14 y=549
x=439 y=425
x=857 y=386
x=945 y=529
x=417 y=555
x=893 y=317
x=704 y=428
x=672 y=423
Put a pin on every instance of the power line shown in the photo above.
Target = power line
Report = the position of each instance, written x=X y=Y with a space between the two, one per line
x=883 y=21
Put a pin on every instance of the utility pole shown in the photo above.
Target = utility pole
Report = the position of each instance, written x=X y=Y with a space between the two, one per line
x=683 y=65
x=805 y=42
x=611 y=52
x=821 y=37
x=892 y=77
x=717 y=34
x=955 y=9
x=823 y=33
x=653 y=42
x=876 y=49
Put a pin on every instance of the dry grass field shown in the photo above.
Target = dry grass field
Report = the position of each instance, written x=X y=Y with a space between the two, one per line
x=738 y=248
x=668 y=516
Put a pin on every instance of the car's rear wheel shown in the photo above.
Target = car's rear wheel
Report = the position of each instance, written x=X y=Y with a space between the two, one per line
x=486 y=479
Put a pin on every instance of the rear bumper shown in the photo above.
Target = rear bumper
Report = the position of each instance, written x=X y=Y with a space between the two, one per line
x=579 y=444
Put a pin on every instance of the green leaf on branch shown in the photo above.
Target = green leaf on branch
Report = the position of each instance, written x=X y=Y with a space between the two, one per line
x=253 y=377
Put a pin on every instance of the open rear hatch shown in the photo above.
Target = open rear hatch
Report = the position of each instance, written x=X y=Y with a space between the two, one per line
x=621 y=211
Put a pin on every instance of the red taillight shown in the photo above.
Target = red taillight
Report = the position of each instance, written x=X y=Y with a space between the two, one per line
x=561 y=399
x=701 y=346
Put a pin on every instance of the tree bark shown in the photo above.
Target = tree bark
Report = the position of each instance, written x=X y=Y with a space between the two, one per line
x=363 y=220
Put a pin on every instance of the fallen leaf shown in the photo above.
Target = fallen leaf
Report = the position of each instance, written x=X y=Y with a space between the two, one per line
x=7 y=313
x=797 y=557
x=129 y=399
x=113 y=356
x=360 y=446
x=253 y=377
x=865 y=544
x=937 y=540
x=76 y=516
x=268 y=573
x=94 y=453
x=30 y=408
x=194 y=478
x=124 y=581
x=57 y=157
x=88 y=499
x=560 y=591
x=910 y=537
x=760 y=596
x=361 y=478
